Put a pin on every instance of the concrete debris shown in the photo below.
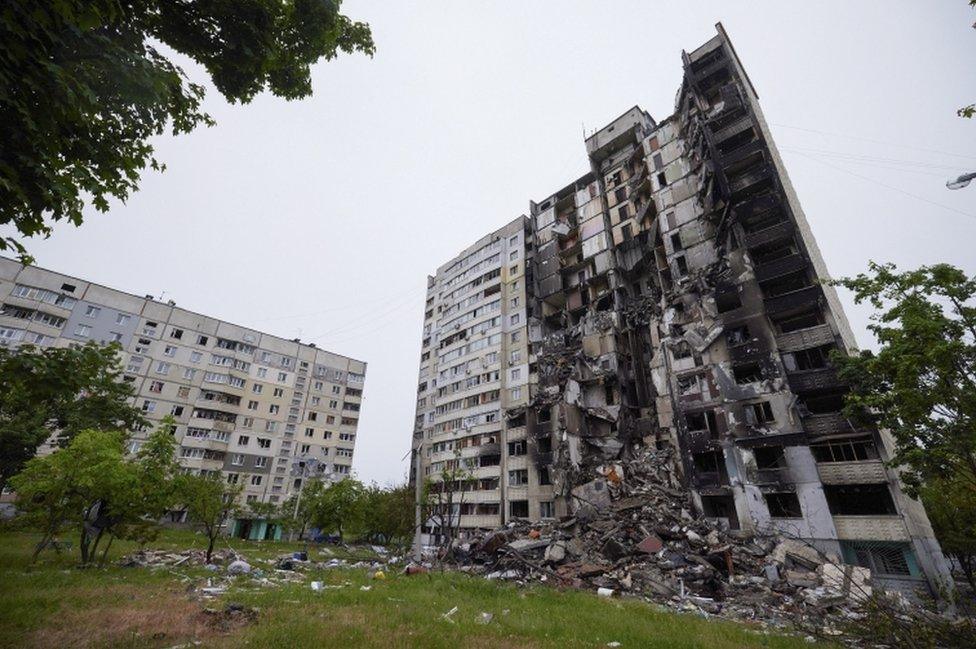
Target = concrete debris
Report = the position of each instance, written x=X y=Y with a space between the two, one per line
x=636 y=536
x=239 y=567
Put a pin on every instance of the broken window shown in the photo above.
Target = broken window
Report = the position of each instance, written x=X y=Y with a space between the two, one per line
x=516 y=448
x=727 y=300
x=737 y=335
x=882 y=557
x=545 y=444
x=489 y=460
x=747 y=373
x=544 y=478
x=704 y=420
x=682 y=266
x=518 y=477
x=760 y=413
x=822 y=403
x=803 y=320
x=860 y=500
x=546 y=509
x=770 y=458
x=518 y=508
x=853 y=449
x=720 y=507
x=807 y=359
x=676 y=242
x=783 y=504
x=688 y=385
x=786 y=284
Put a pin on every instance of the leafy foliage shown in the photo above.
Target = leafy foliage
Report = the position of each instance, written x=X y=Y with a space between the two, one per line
x=338 y=507
x=921 y=384
x=63 y=391
x=388 y=514
x=951 y=506
x=209 y=503
x=85 y=84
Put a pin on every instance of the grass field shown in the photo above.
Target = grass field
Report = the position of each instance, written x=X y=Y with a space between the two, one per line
x=55 y=604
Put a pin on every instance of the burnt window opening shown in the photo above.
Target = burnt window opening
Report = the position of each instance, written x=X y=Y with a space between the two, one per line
x=787 y=284
x=747 y=373
x=544 y=416
x=681 y=350
x=681 y=264
x=709 y=462
x=662 y=180
x=737 y=335
x=767 y=254
x=814 y=358
x=853 y=449
x=758 y=414
x=720 y=507
x=517 y=421
x=803 y=320
x=609 y=394
x=763 y=220
x=620 y=194
x=544 y=444
x=739 y=139
x=544 y=478
x=704 y=420
x=626 y=233
x=518 y=508
x=70 y=288
x=489 y=460
x=822 y=403
x=882 y=557
x=770 y=458
x=783 y=504
x=860 y=500
x=517 y=448
x=688 y=384
x=676 y=242
x=727 y=300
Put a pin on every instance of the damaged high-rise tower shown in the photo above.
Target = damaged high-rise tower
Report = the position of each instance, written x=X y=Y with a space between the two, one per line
x=670 y=297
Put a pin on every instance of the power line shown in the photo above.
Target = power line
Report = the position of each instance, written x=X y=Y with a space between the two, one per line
x=867 y=139
x=866 y=158
x=887 y=186
x=874 y=165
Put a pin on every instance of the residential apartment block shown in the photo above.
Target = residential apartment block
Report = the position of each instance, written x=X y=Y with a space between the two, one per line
x=670 y=296
x=249 y=406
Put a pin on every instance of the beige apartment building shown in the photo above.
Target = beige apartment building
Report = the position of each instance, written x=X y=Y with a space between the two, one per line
x=264 y=412
x=672 y=298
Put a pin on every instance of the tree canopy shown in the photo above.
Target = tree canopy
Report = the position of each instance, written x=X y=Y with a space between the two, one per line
x=85 y=84
x=59 y=390
x=921 y=383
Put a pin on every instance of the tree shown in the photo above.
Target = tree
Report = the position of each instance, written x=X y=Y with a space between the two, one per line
x=298 y=512
x=951 y=506
x=63 y=391
x=338 y=507
x=85 y=84
x=445 y=498
x=75 y=485
x=921 y=383
x=388 y=514
x=209 y=502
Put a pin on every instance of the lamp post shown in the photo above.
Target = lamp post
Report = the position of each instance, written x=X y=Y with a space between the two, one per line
x=961 y=181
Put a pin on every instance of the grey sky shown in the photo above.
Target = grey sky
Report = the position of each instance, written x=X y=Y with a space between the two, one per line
x=322 y=218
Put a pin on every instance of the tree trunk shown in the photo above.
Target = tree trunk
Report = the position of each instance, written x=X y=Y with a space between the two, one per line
x=83 y=545
x=213 y=538
x=107 y=547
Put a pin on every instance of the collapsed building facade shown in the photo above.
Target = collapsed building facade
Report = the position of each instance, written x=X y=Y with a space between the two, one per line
x=670 y=297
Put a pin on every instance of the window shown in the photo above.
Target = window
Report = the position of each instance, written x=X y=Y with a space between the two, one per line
x=83 y=330
x=309 y=432
x=313 y=416
x=264 y=442
x=156 y=386
x=176 y=333
x=189 y=373
x=122 y=319
x=176 y=411
x=758 y=414
x=232 y=478
x=305 y=448
x=256 y=480
x=195 y=357
x=516 y=374
x=115 y=337
x=274 y=408
x=883 y=558
x=544 y=478
x=282 y=377
x=256 y=388
x=183 y=393
x=516 y=336
x=318 y=385
x=92 y=312
x=859 y=500
x=517 y=448
x=252 y=405
x=148 y=406
x=518 y=508
x=853 y=449
x=727 y=300
x=514 y=319
x=681 y=265
x=202 y=340
x=513 y=270
x=516 y=393
x=260 y=462
x=747 y=373
x=243 y=440
x=170 y=351
x=162 y=367
x=238 y=460
x=270 y=426
x=783 y=505
x=278 y=392
x=546 y=509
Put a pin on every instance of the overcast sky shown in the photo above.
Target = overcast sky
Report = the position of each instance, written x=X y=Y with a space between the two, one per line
x=322 y=218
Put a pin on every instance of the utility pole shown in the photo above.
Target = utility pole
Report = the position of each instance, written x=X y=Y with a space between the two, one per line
x=418 y=507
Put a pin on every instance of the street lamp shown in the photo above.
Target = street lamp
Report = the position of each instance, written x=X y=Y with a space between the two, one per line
x=961 y=181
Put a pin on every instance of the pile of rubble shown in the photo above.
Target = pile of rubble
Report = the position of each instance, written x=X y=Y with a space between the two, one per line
x=160 y=558
x=633 y=531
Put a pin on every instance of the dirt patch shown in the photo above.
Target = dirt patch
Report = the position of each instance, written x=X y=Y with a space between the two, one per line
x=161 y=619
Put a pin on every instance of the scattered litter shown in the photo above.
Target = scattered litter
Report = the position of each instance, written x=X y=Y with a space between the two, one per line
x=484 y=618
x=447 y=616
x=239 y=567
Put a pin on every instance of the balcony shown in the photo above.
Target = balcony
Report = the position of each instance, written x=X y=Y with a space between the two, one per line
x=750 y=181
x=780 y=267
x=773 y=234
x=871 y=528
x=778 y=475
x=809 y=380
x=805 y=338
x=795 y=300
x=860 y=472
x=756 y=206
x=224 y=426
x=749 y=351
x=736 y=127
x=705 y=479
x=828 y=423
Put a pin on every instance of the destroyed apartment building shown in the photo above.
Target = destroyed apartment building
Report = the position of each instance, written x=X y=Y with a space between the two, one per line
x=669 y=298
x=260 y=411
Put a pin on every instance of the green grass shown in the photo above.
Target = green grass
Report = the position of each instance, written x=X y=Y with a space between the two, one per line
x=54 y=604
